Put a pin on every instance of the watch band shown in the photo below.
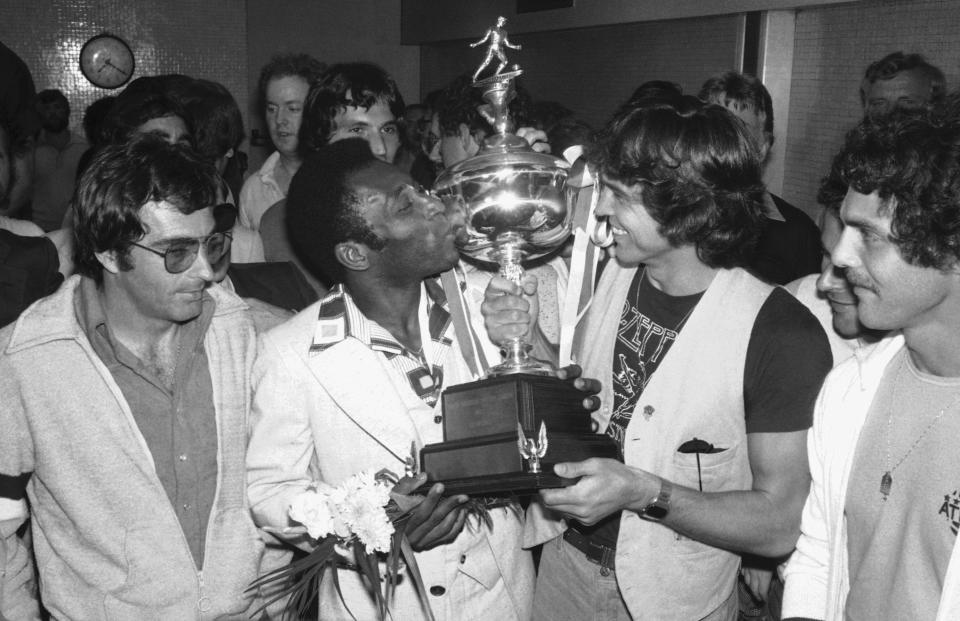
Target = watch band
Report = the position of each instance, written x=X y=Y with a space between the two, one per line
x=659 y=507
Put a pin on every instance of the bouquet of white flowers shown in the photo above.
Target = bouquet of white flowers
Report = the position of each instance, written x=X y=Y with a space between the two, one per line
x=360 y=518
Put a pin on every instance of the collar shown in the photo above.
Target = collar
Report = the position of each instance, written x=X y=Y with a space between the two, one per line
x=770 y=209
x=339 y=318
x=266 y=171
x=54 y=317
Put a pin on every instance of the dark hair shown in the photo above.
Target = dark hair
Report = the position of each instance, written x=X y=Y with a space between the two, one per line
x=119 y=181
x=697 y=169
x=347 y=84
x=7 y=139
x=431 y=98
x=741 y=91
x=654 y=89
x=414 y=131
x=567 y=133
x=911 y=158
x=284 y=65
x=322 y=208
x=458 y=103
x=52 y=95
x=215 y=116
x=133 y=109
x=898 y=62
x=7 y=143
x=545 y=115
x=95 y=119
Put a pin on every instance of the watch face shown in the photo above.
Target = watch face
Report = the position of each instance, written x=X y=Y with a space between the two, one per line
x=106 y=61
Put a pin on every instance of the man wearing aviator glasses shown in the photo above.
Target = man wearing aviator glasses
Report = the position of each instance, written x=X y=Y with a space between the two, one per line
x=124 y=403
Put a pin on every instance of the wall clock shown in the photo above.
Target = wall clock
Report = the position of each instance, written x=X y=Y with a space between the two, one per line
x=107 y=61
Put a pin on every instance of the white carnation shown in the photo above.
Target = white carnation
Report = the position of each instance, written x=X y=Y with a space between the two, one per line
x=355 y=507
x=312 y=509
x=374 y=531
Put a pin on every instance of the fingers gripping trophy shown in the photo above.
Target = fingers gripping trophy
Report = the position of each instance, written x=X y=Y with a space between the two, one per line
x=503 y=434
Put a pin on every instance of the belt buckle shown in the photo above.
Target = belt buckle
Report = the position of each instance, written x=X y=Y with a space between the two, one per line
x=596 y=553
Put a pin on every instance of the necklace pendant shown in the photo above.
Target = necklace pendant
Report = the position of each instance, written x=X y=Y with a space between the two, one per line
x=886 y=482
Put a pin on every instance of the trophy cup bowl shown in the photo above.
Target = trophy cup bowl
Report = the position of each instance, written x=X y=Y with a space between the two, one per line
x=515 y=210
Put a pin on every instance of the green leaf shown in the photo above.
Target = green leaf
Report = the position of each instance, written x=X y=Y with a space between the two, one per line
x=408 y=556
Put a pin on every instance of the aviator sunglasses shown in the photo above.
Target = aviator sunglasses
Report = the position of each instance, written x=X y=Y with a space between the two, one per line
x=180 y=254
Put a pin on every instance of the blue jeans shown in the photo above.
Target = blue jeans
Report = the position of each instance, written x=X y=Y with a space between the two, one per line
x=571 y=588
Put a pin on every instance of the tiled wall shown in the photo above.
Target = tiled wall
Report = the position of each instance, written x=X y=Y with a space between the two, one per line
x=200 y=38
x=833 y=47
x=593 y=70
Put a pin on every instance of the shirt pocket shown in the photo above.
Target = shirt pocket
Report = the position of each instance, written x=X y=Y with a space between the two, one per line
x=712 y=471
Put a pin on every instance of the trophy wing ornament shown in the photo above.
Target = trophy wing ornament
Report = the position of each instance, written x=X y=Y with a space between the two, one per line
x=542 y=443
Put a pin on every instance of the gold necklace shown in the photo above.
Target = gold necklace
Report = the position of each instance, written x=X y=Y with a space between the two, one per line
x=886 y=481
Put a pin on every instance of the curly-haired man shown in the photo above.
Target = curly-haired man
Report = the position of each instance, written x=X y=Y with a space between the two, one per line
x=879 y=528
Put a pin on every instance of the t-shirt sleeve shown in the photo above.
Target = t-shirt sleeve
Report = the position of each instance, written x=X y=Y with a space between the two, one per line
x=787 y=358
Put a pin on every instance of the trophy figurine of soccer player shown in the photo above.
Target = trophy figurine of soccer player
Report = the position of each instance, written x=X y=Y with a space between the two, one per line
x=516 y=210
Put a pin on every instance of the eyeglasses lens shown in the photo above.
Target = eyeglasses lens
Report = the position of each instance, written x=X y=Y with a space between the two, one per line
x=179 y=258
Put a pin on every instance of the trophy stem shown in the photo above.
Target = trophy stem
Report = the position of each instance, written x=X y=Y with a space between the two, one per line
x=516 y=351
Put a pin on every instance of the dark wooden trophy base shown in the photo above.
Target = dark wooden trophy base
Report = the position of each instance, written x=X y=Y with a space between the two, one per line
x=480 y=455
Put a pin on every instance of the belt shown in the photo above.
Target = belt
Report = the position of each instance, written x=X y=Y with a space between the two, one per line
x=596 y=553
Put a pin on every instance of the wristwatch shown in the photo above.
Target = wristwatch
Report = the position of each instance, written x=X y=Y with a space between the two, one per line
x=659 y=507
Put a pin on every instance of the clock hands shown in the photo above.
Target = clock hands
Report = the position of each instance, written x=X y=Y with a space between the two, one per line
x=115 y=68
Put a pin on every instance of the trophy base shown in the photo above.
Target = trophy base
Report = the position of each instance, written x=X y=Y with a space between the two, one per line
x=516 y=484
x=495 y=405
x=493 y=466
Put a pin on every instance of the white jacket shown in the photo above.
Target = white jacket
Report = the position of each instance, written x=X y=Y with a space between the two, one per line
x=342 y=411
x=817 y=577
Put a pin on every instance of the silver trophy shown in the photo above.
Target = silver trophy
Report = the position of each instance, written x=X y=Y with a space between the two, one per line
x=512 y=197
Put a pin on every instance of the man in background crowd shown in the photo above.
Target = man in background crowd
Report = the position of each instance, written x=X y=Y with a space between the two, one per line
x=282 y=89
x=829 y=295
x=57 y=153
x=16 y=107
x=28 y=260
x=901 y=80
x=789 y=244
x=349 y=100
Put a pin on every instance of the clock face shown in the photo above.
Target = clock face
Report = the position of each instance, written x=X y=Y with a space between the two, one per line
x=106 y=61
